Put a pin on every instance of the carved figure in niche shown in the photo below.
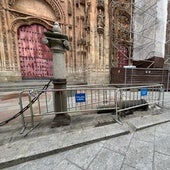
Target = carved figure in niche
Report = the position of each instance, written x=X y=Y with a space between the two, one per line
x=124 y=35
x=100 y=19
x=70 y=8
x=101 y=2
x=87 y=19
x=124 y=19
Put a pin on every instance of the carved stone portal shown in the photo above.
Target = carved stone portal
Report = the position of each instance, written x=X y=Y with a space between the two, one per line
x=120 y=25
x=22 y=58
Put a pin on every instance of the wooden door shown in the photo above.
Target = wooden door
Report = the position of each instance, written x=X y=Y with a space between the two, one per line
x=35 y=57
x=122 y=56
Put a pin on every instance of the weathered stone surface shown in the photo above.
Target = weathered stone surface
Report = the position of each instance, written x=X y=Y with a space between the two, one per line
x=162 y=162
x=108 y=160
x=162 y=143
x=67 y=165
x=83 y=156
x=127 y=167
x=61 y=120
x=84 y=57
x=146 y=149
x=139 y=155
x=146 y=135
x=119 y=144
x=46 y=163
x=149 y=120
x=163 y=128
x=21 y=151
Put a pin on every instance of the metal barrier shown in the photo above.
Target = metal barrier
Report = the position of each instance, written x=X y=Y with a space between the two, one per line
x=79 y=99
x=130 y=98
x=92 y=98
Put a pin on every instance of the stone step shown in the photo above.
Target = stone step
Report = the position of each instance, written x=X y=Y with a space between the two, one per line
x=22 y=85
x=41 y=146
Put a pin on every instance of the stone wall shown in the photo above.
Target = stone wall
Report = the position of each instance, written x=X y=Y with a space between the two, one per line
x=78 y=19
x=88 y=26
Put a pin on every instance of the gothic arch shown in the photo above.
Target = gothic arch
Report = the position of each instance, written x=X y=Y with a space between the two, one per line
x=14 y=28
x=55 y=5
x=120 y=20
x=28 y=21
x=19 y=18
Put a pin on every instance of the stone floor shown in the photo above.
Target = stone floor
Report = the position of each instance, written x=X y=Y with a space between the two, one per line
x=147 y=149
x=141 y=142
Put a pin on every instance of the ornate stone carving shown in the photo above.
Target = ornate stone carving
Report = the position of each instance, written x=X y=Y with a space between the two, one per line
x=100 y=4
x=81 y=41
x=87 y=18
x=4 y=36
x=82 y=2
x=66 y=44
x=28 y=21
x=123 y=35
x=120 y=29
x=76 y=30
x=100 y=22
x=56 y=6
x=16 y=14
x=11 y=2
x=57 y=9
x=77 y=3
x=56 y=28
x=124 y=19
x=100 y=19
x=69 y=8
x=14 y=47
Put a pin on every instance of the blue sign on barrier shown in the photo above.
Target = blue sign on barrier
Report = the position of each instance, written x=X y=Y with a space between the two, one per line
x=80 y=97
x=144 y=92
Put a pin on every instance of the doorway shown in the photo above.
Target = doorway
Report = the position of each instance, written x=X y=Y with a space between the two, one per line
x=35 y=57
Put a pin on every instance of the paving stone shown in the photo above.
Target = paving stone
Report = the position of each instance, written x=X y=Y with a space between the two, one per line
x=25 y=149
x=47 y=163
x=146 y=135
x=150 y=120
x=119 y=144
x=163 y=128
x=161 y=161
x=162 y=143
x=127 y=167
x=140 y=155
x=66 y=165
x=99 y=155
x=107 y=160
x=83 y=156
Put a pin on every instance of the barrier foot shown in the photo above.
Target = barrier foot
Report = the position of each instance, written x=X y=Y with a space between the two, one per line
x=117 y=119
x=22 y=130
x=30 y=130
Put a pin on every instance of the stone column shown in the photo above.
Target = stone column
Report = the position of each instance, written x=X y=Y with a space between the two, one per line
x=58 y=44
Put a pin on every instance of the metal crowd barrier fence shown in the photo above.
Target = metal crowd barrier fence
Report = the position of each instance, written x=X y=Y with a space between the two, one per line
x=130 y=98
x=91 y=98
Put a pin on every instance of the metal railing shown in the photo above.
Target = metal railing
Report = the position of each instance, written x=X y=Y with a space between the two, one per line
x=79 y=98
x=129 y=98
x=91 y=98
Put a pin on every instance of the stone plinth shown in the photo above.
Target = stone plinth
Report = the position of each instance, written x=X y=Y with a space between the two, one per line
x=58 y=44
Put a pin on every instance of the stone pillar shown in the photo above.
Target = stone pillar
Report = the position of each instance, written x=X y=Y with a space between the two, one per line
x=58 y=44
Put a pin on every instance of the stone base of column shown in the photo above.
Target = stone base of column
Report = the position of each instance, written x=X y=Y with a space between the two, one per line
x=61 y=120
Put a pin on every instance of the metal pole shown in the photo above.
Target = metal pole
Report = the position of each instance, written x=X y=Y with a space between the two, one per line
x=22 y=115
